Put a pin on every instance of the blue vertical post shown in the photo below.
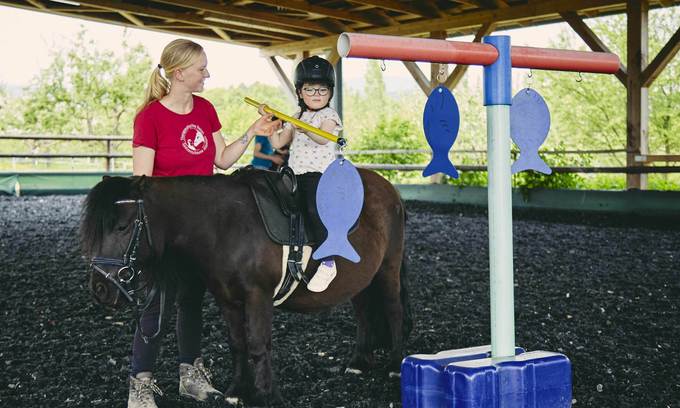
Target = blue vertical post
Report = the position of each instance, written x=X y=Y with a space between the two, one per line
x=497 y=99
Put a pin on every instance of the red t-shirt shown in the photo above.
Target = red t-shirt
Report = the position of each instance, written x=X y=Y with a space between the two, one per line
x=184 y=144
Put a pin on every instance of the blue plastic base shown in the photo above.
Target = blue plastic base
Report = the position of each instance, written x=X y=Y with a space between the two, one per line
x=469 y=378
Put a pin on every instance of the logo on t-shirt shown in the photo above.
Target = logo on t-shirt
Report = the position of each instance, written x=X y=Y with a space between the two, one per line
x=194 y=140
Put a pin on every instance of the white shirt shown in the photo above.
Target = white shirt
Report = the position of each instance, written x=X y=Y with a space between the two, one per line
x=306 y=155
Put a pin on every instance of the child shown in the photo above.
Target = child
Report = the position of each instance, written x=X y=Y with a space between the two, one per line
x=310 y=154
x=264 y=155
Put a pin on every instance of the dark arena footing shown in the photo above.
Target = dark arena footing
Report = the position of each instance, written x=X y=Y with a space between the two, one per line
x=603 y=290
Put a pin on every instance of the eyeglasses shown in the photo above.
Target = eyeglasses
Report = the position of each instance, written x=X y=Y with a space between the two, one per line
x=323 y=91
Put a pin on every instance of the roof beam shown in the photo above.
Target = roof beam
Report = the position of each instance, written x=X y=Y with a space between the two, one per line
x=323 y=11
x=460 y=70
x=283 y=79
x=409 y=8
x=420 y=78
x=656 y=67
x=251 y=15
x=463 y=21
x=131 y=18
x=592 y=40
x=223 y=35
x=117 y=7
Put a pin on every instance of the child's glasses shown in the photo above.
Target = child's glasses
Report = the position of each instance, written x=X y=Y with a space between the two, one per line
x=323 y=91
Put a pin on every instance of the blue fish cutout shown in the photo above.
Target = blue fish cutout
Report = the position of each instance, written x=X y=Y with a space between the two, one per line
x=441 y=120
x=339 y=199
x=529 y=126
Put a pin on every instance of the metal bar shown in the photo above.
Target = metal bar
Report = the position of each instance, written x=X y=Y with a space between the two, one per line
x=373 y=46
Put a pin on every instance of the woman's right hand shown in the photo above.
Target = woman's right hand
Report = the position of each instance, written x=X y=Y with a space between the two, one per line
x=265 y=126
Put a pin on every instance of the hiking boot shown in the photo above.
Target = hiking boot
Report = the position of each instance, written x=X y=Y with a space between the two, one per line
x=142 y=388
x=194 y=382
x=323 y=276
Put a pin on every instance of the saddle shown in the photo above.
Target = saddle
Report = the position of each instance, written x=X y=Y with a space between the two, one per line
x=280 y=205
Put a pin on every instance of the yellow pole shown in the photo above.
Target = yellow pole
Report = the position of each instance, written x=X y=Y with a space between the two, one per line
x=297 y=122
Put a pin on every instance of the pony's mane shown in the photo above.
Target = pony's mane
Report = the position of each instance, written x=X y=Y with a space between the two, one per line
x=98 y=210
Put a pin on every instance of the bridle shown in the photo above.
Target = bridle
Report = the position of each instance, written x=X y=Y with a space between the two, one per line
x=128 y=276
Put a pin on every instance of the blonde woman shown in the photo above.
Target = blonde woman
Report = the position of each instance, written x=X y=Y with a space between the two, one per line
x=177 y=133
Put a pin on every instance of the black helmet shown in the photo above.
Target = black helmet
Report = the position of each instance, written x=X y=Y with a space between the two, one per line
x=314 y=69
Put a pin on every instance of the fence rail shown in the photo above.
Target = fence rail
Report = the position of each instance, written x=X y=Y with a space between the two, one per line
x=110 y=156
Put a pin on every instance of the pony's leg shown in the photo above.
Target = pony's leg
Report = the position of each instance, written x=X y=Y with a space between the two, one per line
x=388 y=284
x=362 y=356
x=240 y=383
x=259 y=311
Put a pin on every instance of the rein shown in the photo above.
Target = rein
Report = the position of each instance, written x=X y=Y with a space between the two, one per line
x=127 y=277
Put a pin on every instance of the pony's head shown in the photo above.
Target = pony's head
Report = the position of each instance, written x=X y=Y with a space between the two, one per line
x=115 y=238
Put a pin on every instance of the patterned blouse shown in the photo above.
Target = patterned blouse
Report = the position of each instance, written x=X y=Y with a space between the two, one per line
x=305 y=154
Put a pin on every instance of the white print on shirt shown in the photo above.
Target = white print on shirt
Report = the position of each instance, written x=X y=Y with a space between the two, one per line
x=193 y=139
x=305 y=154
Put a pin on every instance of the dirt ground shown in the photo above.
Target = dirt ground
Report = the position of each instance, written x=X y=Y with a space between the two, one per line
x=603 y=290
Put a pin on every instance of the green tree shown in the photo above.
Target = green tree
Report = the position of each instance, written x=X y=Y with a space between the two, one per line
x=86 y=90
x=591 y=114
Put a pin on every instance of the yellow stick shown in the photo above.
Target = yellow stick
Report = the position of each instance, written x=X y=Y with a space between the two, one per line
x=297 y=122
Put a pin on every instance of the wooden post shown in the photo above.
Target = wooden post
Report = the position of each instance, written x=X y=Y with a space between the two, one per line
x=637 y=121
x=108 y=155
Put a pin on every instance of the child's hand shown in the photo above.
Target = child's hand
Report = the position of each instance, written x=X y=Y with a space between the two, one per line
x=276 y=159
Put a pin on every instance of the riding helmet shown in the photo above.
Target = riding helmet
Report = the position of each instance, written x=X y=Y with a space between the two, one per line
x=314 y=69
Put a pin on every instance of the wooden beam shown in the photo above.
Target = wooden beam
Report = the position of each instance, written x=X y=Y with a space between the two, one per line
x=637 y=109
x=36 y=4
x=435 y=67
x=132 y=18
x=333 y=57
x=322 y=11
x=401 y=7
x=592 y=40
x=283 y=79
x=244 y=13
x=461 y=22
x=252 y=25
x=122 y=22
x=460 y=70
x=656 y=67
x=223 y=35
x=419 y=77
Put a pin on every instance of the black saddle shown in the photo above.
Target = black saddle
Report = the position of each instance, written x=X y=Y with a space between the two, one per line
x=282 y=206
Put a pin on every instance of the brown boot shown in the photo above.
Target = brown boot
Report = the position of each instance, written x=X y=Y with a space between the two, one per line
x=194 y=382
x=142 y=388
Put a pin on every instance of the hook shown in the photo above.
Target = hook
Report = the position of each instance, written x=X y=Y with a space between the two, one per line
x=441 y=76
x=530 y=75
x=383 y=67
x=580 y=78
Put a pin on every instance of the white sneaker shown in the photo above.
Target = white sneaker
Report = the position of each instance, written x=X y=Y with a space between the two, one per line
x=142 y=388
x=323 y=276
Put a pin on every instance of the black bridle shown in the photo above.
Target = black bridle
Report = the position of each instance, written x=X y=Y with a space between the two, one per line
x=128 y=277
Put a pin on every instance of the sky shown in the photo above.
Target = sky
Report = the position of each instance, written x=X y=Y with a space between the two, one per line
x=26 y=38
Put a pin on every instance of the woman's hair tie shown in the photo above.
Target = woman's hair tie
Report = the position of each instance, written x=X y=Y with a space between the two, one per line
x=159 y=66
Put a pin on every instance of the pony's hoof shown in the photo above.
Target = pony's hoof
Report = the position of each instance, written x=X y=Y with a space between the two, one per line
x=355 y=371
x=233 y=401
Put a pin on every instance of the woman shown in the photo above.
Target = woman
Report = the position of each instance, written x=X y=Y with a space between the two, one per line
x=177 y=133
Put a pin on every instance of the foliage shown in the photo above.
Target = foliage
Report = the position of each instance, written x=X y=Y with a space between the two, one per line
x=391 y=132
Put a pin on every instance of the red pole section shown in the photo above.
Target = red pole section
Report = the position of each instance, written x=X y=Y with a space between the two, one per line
x=564 y=60
x=457 y=52
x=415 y=49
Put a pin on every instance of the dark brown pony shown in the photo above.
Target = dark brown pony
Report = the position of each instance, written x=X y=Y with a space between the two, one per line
x=144 y=227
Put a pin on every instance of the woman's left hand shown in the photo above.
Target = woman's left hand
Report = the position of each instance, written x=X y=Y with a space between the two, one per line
x=265 y=126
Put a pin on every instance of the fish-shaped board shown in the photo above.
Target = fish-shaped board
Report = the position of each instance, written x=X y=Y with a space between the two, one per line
x=529 y=126
x=441 y=120
x=339 y=199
